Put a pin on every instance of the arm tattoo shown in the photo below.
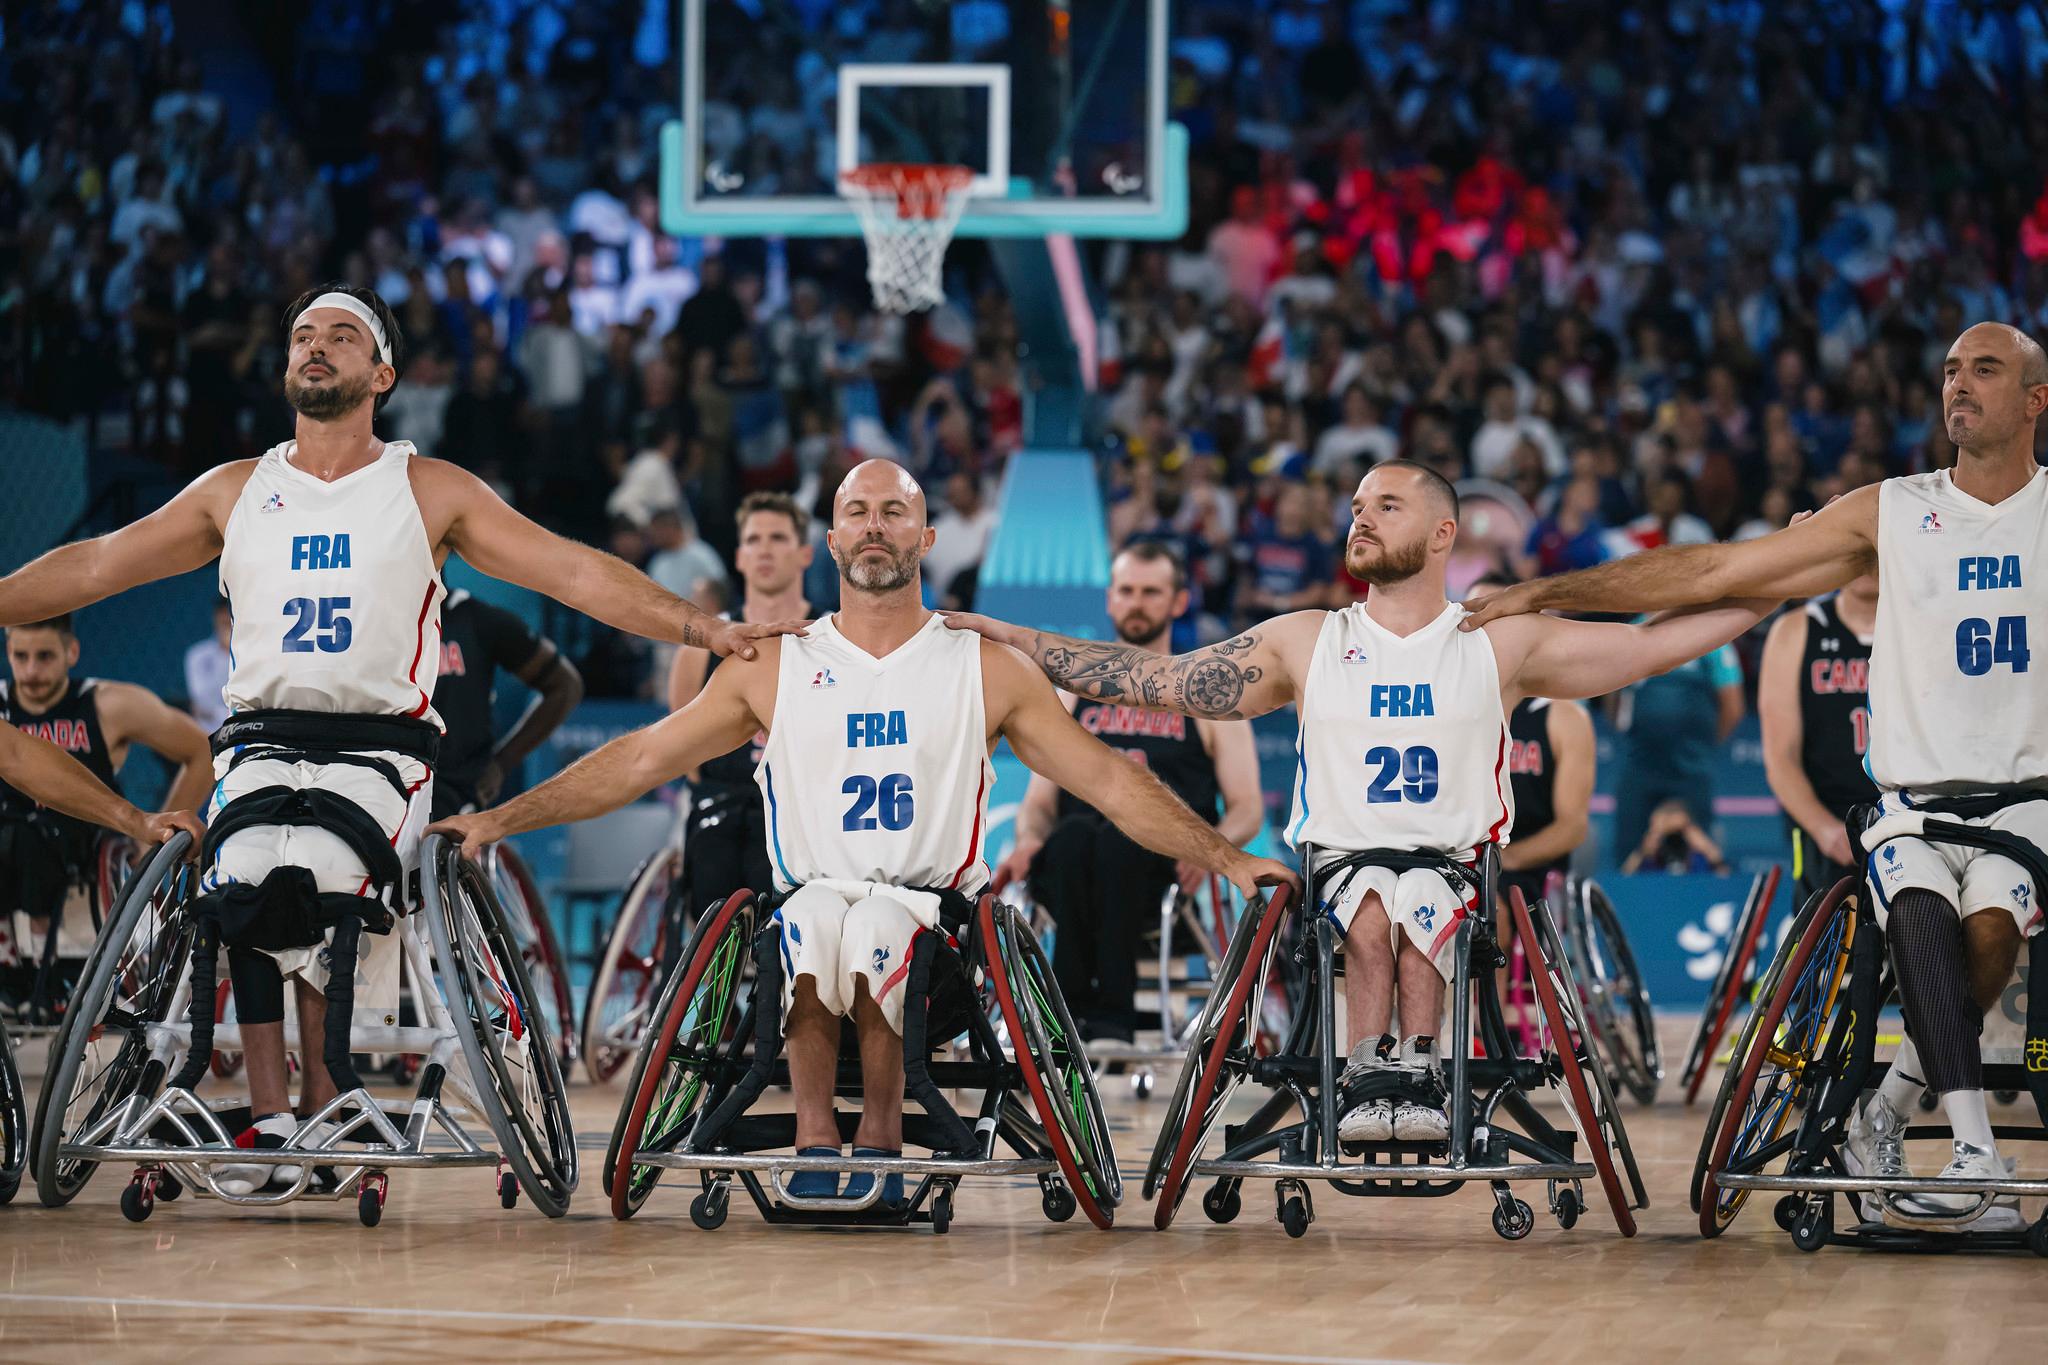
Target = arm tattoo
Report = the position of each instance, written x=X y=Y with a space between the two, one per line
x=693 y=636
x=1209 y=683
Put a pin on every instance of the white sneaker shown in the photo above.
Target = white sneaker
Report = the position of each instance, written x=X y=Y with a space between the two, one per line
x=1372 y=1121
x=1420 y=1123
x=1875 y=1144
x=1971 y=1163
x=268 y=1133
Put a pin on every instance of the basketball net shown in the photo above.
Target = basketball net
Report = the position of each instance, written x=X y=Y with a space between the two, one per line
x=907 y=214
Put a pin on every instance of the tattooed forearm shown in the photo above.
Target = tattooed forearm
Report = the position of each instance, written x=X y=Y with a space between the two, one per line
x=1209 y=683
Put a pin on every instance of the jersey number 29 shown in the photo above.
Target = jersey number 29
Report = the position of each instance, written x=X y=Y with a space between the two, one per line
x=1404 y=774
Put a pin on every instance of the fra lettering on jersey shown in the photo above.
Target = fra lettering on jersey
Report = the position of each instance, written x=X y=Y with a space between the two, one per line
x=1985 y=571
x=875 y=729
x=1402 y=700
x=320 y=552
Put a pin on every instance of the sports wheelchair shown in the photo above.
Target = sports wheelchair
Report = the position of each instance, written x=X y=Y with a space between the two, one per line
x=13 y=1121
x=653 y=916
x=716 y=1042
x=1620 y=1019
x=137 y=1039
x=1734 y=987
x=1806 y=1056
x=1488 y=1088
x=92 y=886
x=1179 y=954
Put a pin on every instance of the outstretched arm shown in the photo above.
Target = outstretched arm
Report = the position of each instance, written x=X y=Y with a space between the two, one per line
x=1811 y=556
x=717 y=722
x=179 y=536
x=495 y=538
x=59 y=781
x=1245 y=676
x=1049 y=741
x=1572 y=659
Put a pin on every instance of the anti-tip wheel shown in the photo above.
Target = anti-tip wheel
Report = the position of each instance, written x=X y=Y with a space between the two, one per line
x=369 y=1207
x=1141 y=1084
x=942 y=1212
x=1786 y=1211
x=1058 y=1202
x=1222 y=1204
x=508 y=1190
x=1568 y=1208
x=1815 y=1226
x=137 y=1203
x=708 y=1212
x=1513 y=1220
x=1294 y=1215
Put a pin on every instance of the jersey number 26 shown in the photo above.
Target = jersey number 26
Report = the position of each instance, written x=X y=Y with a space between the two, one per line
x=890 y=800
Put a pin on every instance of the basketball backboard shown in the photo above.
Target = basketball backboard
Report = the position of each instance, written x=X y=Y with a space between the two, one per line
x=1057 y=106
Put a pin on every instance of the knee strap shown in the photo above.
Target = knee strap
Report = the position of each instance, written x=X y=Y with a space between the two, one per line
x=313 y=806
x=1932 y=966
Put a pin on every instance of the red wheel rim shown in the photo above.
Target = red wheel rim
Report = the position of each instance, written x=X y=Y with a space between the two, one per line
x=1574 y=1078
x=621 y=1174
x=1173 y=1187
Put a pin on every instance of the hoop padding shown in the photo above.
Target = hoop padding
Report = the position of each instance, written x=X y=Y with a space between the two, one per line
x=907 y=214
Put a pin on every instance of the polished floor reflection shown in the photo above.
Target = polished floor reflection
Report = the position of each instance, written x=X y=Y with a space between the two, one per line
x=450 y=1274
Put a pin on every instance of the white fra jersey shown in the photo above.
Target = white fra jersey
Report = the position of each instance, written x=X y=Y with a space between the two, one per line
x=336 y=599
x=1403 y=744
x=1954 y=702
x=877 y=769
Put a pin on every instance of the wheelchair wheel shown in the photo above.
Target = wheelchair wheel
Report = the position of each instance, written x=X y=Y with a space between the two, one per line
x=101 y=1057
x=1048 y=1049
x=13 y=1121
x=514 y=1066
x=1217 y=1059
x=1585 y=1082
x=621 y=999
x=1618 y=1003
x=1768 y=1075
x=678 y=1071
x=1729 y=985
x=527 y=910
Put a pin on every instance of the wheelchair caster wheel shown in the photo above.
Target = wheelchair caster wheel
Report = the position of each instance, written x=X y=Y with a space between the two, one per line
x=2037 y=1236
x=508 y=1190
x=1928 y=1101
x=1568 y=1208
x=1294 y=1212
x=169 y=1187
x=1141 y=1084
x=942 y=1212
x=369 y=1208
x=1815 y=1226
x=1786 y=1211
x=1222 y=1204
x=2006 y=1096
x=707 y=1210
x=1513 y=1219
x=136 y=1201
x=1058 y=1203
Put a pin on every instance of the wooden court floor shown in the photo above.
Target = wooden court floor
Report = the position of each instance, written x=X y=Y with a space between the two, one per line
x=450 y=1276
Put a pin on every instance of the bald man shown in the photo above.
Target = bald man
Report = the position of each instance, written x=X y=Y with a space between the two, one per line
x=1404 y=733
x=1963 y=557
x=876 y=777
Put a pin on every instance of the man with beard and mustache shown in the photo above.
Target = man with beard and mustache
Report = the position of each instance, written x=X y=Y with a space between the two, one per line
x=330 y=547
x=1404 y=740
x=1098 y=885
x=1963 y=555
x=876 y=774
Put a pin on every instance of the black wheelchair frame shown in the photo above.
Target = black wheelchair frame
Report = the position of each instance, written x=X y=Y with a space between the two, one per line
x=695 y=1080
x=1485 y=1092
x=1810 y=1047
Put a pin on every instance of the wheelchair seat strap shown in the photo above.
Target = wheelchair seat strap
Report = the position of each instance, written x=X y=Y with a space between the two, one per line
x=280 y=805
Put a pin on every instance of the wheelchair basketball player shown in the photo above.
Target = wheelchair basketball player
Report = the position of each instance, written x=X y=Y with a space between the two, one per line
x=1962 y=555
x=49 y=776
x=330 y=547
x=876 y=777
x=1393 y=683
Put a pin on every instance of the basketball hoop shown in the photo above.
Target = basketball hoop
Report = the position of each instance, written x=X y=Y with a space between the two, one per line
x=907 y=214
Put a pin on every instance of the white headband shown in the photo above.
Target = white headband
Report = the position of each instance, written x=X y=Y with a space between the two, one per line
x=349 y=303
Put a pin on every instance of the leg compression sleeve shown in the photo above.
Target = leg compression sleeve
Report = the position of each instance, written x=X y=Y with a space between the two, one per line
x=1934 y=986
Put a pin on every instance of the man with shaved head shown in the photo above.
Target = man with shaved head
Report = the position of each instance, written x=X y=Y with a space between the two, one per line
x=1962 y=554
x=876 y=775
x=1404 y=736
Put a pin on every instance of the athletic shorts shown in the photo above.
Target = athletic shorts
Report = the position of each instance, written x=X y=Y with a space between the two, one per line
x=249 y=855
x=1420 y=904
x=843 y=933
x=1971 y=879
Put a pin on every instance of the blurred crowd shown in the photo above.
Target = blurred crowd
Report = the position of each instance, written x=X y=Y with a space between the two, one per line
x=1653 y=272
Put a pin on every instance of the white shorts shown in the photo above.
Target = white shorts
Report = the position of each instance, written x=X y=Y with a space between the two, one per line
x=1971 y=879
x=838 y=937
x=1420 y=903
x=249 y=855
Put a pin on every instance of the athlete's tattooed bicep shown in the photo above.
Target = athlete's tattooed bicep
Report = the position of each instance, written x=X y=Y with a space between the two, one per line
x=1208 y=683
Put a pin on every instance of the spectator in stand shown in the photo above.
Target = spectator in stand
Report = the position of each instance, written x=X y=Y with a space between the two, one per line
x=679 y=560
x=1244 y=248
x=1287 y=562
x=1672 y=728
x=963 y=531
x=207 y=664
